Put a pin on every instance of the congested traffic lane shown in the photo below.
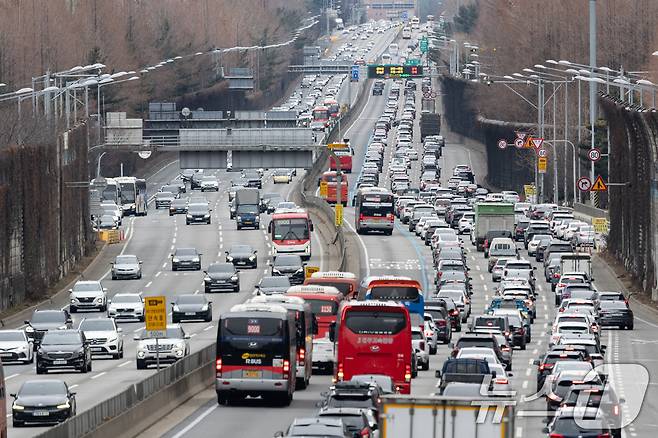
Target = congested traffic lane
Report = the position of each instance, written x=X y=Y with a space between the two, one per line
x=152 y=238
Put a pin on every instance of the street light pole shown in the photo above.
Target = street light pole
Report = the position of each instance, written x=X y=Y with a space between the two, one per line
x=592 y=84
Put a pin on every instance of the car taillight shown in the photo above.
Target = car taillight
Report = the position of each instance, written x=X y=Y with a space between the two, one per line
x=561 y=285
x=556 y=275
x=429 y=334
x=561 y=309
x=340 y=373
x=218 y=367
x=505 y=349
x=520 y=330
x=407 y=373
x=556 y=435
x=441 y=323
x=502 y=381
x=603 y=435
x=302 y=354
x=545 y=366
x=422 y=345
x=454 y=312
x=361 y=217
x=615 y=410
x=365 y=432
x=439 y=274
x=486 y=244
x=390 y=217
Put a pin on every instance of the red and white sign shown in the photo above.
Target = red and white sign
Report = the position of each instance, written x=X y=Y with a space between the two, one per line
x=594 y=154
x=537 y=142
x=521 y=135
x=584 y=184
x=502 y=143
x=542 y=153
x=519 y=143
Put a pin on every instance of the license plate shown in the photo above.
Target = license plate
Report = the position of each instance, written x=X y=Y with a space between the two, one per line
x=41 y=413
x=5 y=354
x=242 y=263
x=59 y=362
x=250 y=374
x=190 y=313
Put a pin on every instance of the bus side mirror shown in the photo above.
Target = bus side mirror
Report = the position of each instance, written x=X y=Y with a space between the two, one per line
x=315 y=327
x=269 y=227
x=332 y=332
x=310 y=226
x=319 y=181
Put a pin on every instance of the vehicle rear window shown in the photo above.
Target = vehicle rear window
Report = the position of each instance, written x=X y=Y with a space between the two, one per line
x=323 y=307
x=375 y=323
x=394 y=293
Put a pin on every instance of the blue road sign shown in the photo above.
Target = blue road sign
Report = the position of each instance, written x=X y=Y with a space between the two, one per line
x=405 y=15
x=355 y=73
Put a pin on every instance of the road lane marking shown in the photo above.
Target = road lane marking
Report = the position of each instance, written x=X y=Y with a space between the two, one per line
x=193 y=335
x=525 y=384
x=12 y=376
x=164 y=265
x=528 y=371
x=125 y=363
x=196 y=421
x=157 y=274
x=98 y=375
x=148 y=284
x=73 y=386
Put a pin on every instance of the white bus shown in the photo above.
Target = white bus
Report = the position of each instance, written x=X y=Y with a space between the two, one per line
x=386 y=58
x=133 y=195
x=415 y=23
x=393 y=48
x=406 y=33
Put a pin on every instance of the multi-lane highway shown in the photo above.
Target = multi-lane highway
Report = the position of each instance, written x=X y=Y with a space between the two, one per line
x=153 y=238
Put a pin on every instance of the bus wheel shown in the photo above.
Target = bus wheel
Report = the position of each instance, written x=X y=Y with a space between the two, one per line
x=222 y=399
x=302 y=383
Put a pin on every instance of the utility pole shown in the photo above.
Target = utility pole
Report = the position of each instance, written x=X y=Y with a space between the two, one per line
x=592 y=84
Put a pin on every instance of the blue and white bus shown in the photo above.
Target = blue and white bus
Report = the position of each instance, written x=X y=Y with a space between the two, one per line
x=400 y=289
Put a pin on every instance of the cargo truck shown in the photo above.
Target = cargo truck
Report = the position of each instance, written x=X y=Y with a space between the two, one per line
x=247 y=208
x=491 y=216
x=430 y=124
x=445 y=417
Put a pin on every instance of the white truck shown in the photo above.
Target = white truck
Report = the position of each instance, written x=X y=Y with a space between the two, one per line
x=492 y=216
x=404 y=416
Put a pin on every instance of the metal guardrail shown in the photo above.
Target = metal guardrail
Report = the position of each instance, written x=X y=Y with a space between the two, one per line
x=89 y=420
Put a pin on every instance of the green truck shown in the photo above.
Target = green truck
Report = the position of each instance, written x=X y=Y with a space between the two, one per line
x=491 y=216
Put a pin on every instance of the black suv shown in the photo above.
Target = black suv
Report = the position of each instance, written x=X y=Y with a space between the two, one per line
x=290 y=266
x=64 y=349
x=221 y=276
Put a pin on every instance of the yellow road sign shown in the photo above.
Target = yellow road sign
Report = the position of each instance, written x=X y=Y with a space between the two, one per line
x=155 y=315
x=599 y=185
x=324 y=189
x=542 y=164
x=337 y=145
x=339 y=215
x=309 y=270
x=530 y=190
x=600 y=225
x=528 y=142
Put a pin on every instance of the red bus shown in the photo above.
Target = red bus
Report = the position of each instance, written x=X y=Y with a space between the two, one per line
x=256 y=349
x=332 y=106
x=345 y=282
x=344 y=153
x=324 y=302
x=321 y=115
x=290 y=233
x=332 y=184
x=373 y=337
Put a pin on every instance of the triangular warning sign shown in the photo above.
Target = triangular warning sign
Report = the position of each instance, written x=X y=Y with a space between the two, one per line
x=599 y=185
x=537 y=142
x=528 y=143
x=521 y=135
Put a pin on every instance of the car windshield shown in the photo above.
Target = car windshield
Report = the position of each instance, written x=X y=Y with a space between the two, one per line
x=11 y=336
x=280 y=281
x=43 y=387
x=49 y=317
x=86 y=287
x=609 y=304
x=99 y=324
x=287 y=260
x=191 y=299
x=221 y=268
x=241 y=249
x=247 y=209
x=126 y=299
x=128 y=259
x=61 y=338
x=185 y=252
x=197 y=209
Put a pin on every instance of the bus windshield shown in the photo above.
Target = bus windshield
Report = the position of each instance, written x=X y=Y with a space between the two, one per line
x=395 y=293
x=290 y=229
x=110 y=193
x=379 y=205
x=127 y=192
x=375 y=323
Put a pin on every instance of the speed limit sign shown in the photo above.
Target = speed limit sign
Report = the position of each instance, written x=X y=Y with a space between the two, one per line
x=542 y=153
x=594 y=154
